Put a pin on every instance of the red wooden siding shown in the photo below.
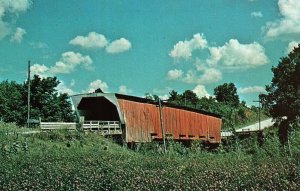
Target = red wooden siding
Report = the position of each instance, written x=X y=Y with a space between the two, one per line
x=142 y=121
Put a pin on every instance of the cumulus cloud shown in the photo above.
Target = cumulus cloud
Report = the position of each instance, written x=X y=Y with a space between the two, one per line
x=206 y=76
x=288 y=26
x=118 y=46
x=18 y=35
x=251 y=89
x=210 y=75
x=256 y=14
x=234 y=55
x=63 y=88
x=97 y=84
x=174 y=74
x=291 y=46
x=39 y=69
x=164 y=97
x=67 y=63
x=124 y=90
x=92 y=40
x=200 y=91
x=95 y=40
x=9 y=11
x=38 y=45
x=184 y=49
x=163 y=93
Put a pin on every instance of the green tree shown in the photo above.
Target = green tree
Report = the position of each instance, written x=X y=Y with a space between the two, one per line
x=174 y=96
x=190 y=98
x=207 y=104
x=152 y=97
x=46 y=102
x=227 y=93
x=11 y=104
x=283 y=94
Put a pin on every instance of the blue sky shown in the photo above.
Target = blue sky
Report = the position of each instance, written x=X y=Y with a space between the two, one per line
x=138 y=47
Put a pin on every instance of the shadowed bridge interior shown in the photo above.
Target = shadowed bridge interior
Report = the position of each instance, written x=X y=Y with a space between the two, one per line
x=98 y=109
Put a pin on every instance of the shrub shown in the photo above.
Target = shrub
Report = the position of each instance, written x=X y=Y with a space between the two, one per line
x=94 y=163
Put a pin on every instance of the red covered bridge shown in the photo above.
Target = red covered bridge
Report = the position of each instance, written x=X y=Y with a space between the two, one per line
x=140 y=120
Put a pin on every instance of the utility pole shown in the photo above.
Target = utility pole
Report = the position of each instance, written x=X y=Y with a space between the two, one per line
x=259 y=106
x=162 y=125
x=28 y=97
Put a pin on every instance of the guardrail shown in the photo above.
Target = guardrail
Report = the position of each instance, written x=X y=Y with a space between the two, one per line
x=57 y=126
x=105 y=127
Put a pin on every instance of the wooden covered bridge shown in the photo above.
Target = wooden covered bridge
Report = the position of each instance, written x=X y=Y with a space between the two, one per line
x=142 y=120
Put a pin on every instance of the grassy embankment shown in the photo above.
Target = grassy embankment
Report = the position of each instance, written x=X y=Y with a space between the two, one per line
x=74 y=161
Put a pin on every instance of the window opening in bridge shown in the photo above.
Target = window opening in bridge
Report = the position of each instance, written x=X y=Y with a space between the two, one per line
x=98 y=109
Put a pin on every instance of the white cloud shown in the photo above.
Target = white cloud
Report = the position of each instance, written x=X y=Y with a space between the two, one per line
x=174 y=74
x=95 y=40
x=288 y=26
x=204 y=76
x=163 y=93
x=208 y=75
x=67 y=63
x=11 y=9
x=118 y=46
x=92 y=40
x=291 y=46
x=164 y=97
x=38 y=45
x=251 y=89
x=39 y=69
x=97 y=84
x=234 y=55
x=62 y=88
x=184 y=49
x=13 y=6
x=256 y=14
x=200 y=91
x=18 y=35
x=124 y=90
x=230 y=57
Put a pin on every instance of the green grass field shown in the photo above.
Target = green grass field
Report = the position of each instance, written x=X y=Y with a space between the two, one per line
x=65 y=160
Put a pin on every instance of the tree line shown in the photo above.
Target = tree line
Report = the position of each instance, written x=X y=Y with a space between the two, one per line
x=46 y=102
x=282 y=100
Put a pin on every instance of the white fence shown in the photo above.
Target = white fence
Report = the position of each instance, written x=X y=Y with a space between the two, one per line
x=104 y=127
x=57 y=126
